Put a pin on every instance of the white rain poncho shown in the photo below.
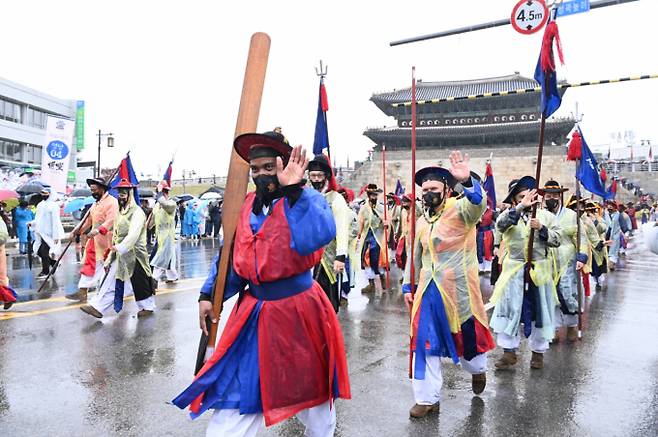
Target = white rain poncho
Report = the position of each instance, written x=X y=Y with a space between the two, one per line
x=164 y=213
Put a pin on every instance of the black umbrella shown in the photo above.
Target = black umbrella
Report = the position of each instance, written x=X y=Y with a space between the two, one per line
x=184 y=198
x=80 y=192
x=30 y=188
x=145 y=192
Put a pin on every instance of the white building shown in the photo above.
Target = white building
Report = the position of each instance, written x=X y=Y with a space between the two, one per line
x=23 y=113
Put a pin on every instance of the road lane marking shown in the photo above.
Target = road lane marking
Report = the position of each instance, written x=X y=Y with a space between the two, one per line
x=64 y=299
x=8 y=315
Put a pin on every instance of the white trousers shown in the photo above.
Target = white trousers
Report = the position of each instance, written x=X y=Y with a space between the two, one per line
x=370 y=274
x=103 y=301
x=320 y=421
x=537 y=342
x=562 y=319
x=428 y=391
x=170 y=274
x=92 y=281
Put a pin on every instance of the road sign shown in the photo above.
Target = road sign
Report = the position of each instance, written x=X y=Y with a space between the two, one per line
x=529 y=16
x=572 y=7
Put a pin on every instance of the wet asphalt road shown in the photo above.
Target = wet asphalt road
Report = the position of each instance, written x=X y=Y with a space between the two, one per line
x=66 y=374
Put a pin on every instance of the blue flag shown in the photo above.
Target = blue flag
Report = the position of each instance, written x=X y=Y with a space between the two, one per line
x=550 y=97
x=399 y=189
x=127 y=172
x=321 y=140
x=588 y=174
x=490 y=187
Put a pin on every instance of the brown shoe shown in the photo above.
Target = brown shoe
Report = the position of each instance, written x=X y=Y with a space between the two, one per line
x=144 y=313
x=420 y=411
x=370 y=288
x=555 y=339
x=572 y=334
x=506 y=361
x=478 y=383
x=91 y=311
x=382 y=279
x=537 y=361
x=80 y=296
x=343 y=302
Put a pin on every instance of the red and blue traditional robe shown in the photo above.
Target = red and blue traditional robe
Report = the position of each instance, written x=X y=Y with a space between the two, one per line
x=282 y=349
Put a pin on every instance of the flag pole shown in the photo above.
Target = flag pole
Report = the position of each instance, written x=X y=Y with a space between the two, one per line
x=322 y=73
x=386 y=227
x=540 y=154
x=579 y=274
x=237 y=179
x=412 y=210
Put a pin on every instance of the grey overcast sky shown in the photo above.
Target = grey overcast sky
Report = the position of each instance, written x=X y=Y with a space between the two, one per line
x=166 y=76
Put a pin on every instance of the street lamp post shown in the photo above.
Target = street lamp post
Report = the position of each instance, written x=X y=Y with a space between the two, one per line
x=110 y=143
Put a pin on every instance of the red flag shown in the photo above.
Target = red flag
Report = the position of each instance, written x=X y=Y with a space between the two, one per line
x=604 y=175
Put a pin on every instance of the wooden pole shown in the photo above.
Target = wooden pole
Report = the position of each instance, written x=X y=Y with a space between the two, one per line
x=84 y=219
x=579 y=275
x=412 y=209
x=238 y=172
x=386 y=228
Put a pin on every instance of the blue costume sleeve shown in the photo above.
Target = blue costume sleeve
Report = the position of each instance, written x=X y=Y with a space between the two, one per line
x=234 y=283
x=311 y=221
x=474 y=192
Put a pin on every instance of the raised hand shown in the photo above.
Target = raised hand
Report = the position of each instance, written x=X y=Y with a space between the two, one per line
x=293 y=173
x=530 y=199
x=460 y=166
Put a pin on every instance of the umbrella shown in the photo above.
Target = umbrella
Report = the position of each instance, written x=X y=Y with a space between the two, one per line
x=8 y=194
x=184 y=198
x=10 y=204
x=145 y=192
x=211 y=195
x=78 y=203
x=31 y=187
x=80 y=192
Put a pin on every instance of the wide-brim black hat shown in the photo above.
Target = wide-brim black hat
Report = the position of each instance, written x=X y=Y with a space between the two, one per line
x=437 y=173
x=552 y=187
x=320 y=162
x=243 y=144
x=98 y=181
x=372 y=188
x=525 y=183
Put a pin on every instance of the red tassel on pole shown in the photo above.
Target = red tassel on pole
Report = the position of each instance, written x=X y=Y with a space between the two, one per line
x=575 y=147
x=547 y=59
x=604 y=175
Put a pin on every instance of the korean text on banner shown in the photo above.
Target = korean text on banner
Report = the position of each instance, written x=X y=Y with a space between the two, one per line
x=80 y=125
x=57 y=153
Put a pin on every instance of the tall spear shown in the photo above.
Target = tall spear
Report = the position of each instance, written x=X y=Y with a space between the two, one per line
x=412 y=209
x=386 y=228
x=550 y=102
x=237 y=179
x=579 y=275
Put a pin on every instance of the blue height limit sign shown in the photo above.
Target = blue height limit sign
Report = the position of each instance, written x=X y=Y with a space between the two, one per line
x=572 y=7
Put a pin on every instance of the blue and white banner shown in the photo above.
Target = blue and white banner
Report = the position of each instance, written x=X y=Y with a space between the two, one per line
x=56 y=153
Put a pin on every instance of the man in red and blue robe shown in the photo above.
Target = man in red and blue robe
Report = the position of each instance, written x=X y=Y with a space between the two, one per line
x=281 y=353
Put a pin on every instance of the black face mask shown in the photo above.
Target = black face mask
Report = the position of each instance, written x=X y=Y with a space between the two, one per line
x=391 y=202
x=431 y=200
x=552 y=204
x=318 y=185
x=123 y=202
x=266 y=184
x=406 y=206
x=267 y=189
x=373 y=200
x=97 y=195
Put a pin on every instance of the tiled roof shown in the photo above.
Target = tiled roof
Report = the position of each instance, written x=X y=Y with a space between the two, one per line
x=476 y=134
x=461 y=88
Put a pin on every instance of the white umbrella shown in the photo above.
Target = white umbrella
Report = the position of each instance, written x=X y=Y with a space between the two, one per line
x=211 y=195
